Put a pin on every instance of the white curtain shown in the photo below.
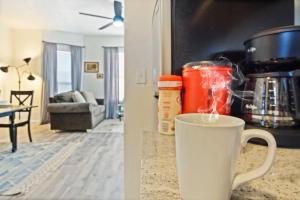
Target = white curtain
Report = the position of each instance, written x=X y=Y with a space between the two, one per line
x=111 y=81
x=49 y=74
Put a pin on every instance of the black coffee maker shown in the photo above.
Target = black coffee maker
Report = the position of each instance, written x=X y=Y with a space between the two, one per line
x=271 y=98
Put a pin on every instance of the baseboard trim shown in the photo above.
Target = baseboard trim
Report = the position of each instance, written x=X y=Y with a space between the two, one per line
x=35 y=121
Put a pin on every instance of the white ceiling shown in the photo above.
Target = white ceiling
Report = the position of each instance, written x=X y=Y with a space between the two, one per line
x=59 y=15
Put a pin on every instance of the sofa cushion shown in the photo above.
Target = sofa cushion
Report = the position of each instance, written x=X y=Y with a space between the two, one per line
x=70 y=108
x=89 y=97
x=77 y=97
x=63 y=97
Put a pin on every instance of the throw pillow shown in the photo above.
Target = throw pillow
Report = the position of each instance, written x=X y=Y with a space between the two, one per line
x=77 y=97
x=64 y=97
x=89 y=97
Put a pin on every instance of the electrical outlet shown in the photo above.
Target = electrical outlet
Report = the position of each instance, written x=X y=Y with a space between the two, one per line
x=141 y=76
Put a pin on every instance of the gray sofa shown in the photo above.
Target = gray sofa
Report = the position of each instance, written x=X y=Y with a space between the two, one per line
x=67 y=112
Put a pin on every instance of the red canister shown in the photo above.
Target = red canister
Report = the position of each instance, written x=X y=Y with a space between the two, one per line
x=206 y=88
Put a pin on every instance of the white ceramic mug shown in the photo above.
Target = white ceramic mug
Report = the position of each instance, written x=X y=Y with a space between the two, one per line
x=206 y=153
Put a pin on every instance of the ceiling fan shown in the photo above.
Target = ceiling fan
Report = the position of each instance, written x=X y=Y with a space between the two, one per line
x=117 y=20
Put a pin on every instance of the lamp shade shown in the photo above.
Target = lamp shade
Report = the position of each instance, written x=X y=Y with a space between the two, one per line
x=31 y=77
x=27 y=60
x=4 y=69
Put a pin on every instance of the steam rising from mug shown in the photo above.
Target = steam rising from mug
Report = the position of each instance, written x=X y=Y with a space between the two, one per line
x=218 y=83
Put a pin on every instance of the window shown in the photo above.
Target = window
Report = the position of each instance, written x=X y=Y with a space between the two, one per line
x=64 y=80
x=121 y=75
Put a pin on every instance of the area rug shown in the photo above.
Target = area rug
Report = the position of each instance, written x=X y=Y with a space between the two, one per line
x=34 y=162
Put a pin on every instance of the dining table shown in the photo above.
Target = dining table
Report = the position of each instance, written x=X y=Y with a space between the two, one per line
x=10 y=111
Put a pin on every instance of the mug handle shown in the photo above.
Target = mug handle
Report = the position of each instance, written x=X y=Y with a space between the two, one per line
x=265 y=167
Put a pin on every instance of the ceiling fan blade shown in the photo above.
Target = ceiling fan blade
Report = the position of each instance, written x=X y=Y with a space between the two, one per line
x=105 y=26
x=92 y=15
x=118 y=8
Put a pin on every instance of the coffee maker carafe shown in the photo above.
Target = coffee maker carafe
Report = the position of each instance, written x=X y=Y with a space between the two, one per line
x=271 y=98
x=274 y=101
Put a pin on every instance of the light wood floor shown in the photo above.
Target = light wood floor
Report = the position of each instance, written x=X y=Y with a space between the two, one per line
x=84 y=175
x=39 y=133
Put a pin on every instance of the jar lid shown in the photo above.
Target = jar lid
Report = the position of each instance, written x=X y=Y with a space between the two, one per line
x=206 y=65
x=170 y=82
x=170 y=78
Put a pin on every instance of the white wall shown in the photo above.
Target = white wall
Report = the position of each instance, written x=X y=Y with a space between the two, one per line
x=24 y=43
x=94 y=52
x=27 y=43
x=5 y=47
x=139 y=101
x=5 y=55
x=63 y=37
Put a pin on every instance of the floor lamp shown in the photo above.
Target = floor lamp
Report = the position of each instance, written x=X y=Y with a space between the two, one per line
x=19 y=73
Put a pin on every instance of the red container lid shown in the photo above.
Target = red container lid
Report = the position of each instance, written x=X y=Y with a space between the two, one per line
x=170 y=82
x=206 y=65
x=170 y=78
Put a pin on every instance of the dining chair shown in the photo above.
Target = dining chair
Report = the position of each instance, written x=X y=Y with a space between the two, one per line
x=22 y=98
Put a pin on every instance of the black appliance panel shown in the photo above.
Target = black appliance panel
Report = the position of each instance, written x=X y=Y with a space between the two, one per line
x=201 y=28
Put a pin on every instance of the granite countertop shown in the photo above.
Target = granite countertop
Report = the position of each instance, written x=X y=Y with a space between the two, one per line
x=159 y=179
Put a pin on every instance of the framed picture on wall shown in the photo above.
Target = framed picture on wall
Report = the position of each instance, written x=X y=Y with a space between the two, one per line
x=91 y=67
